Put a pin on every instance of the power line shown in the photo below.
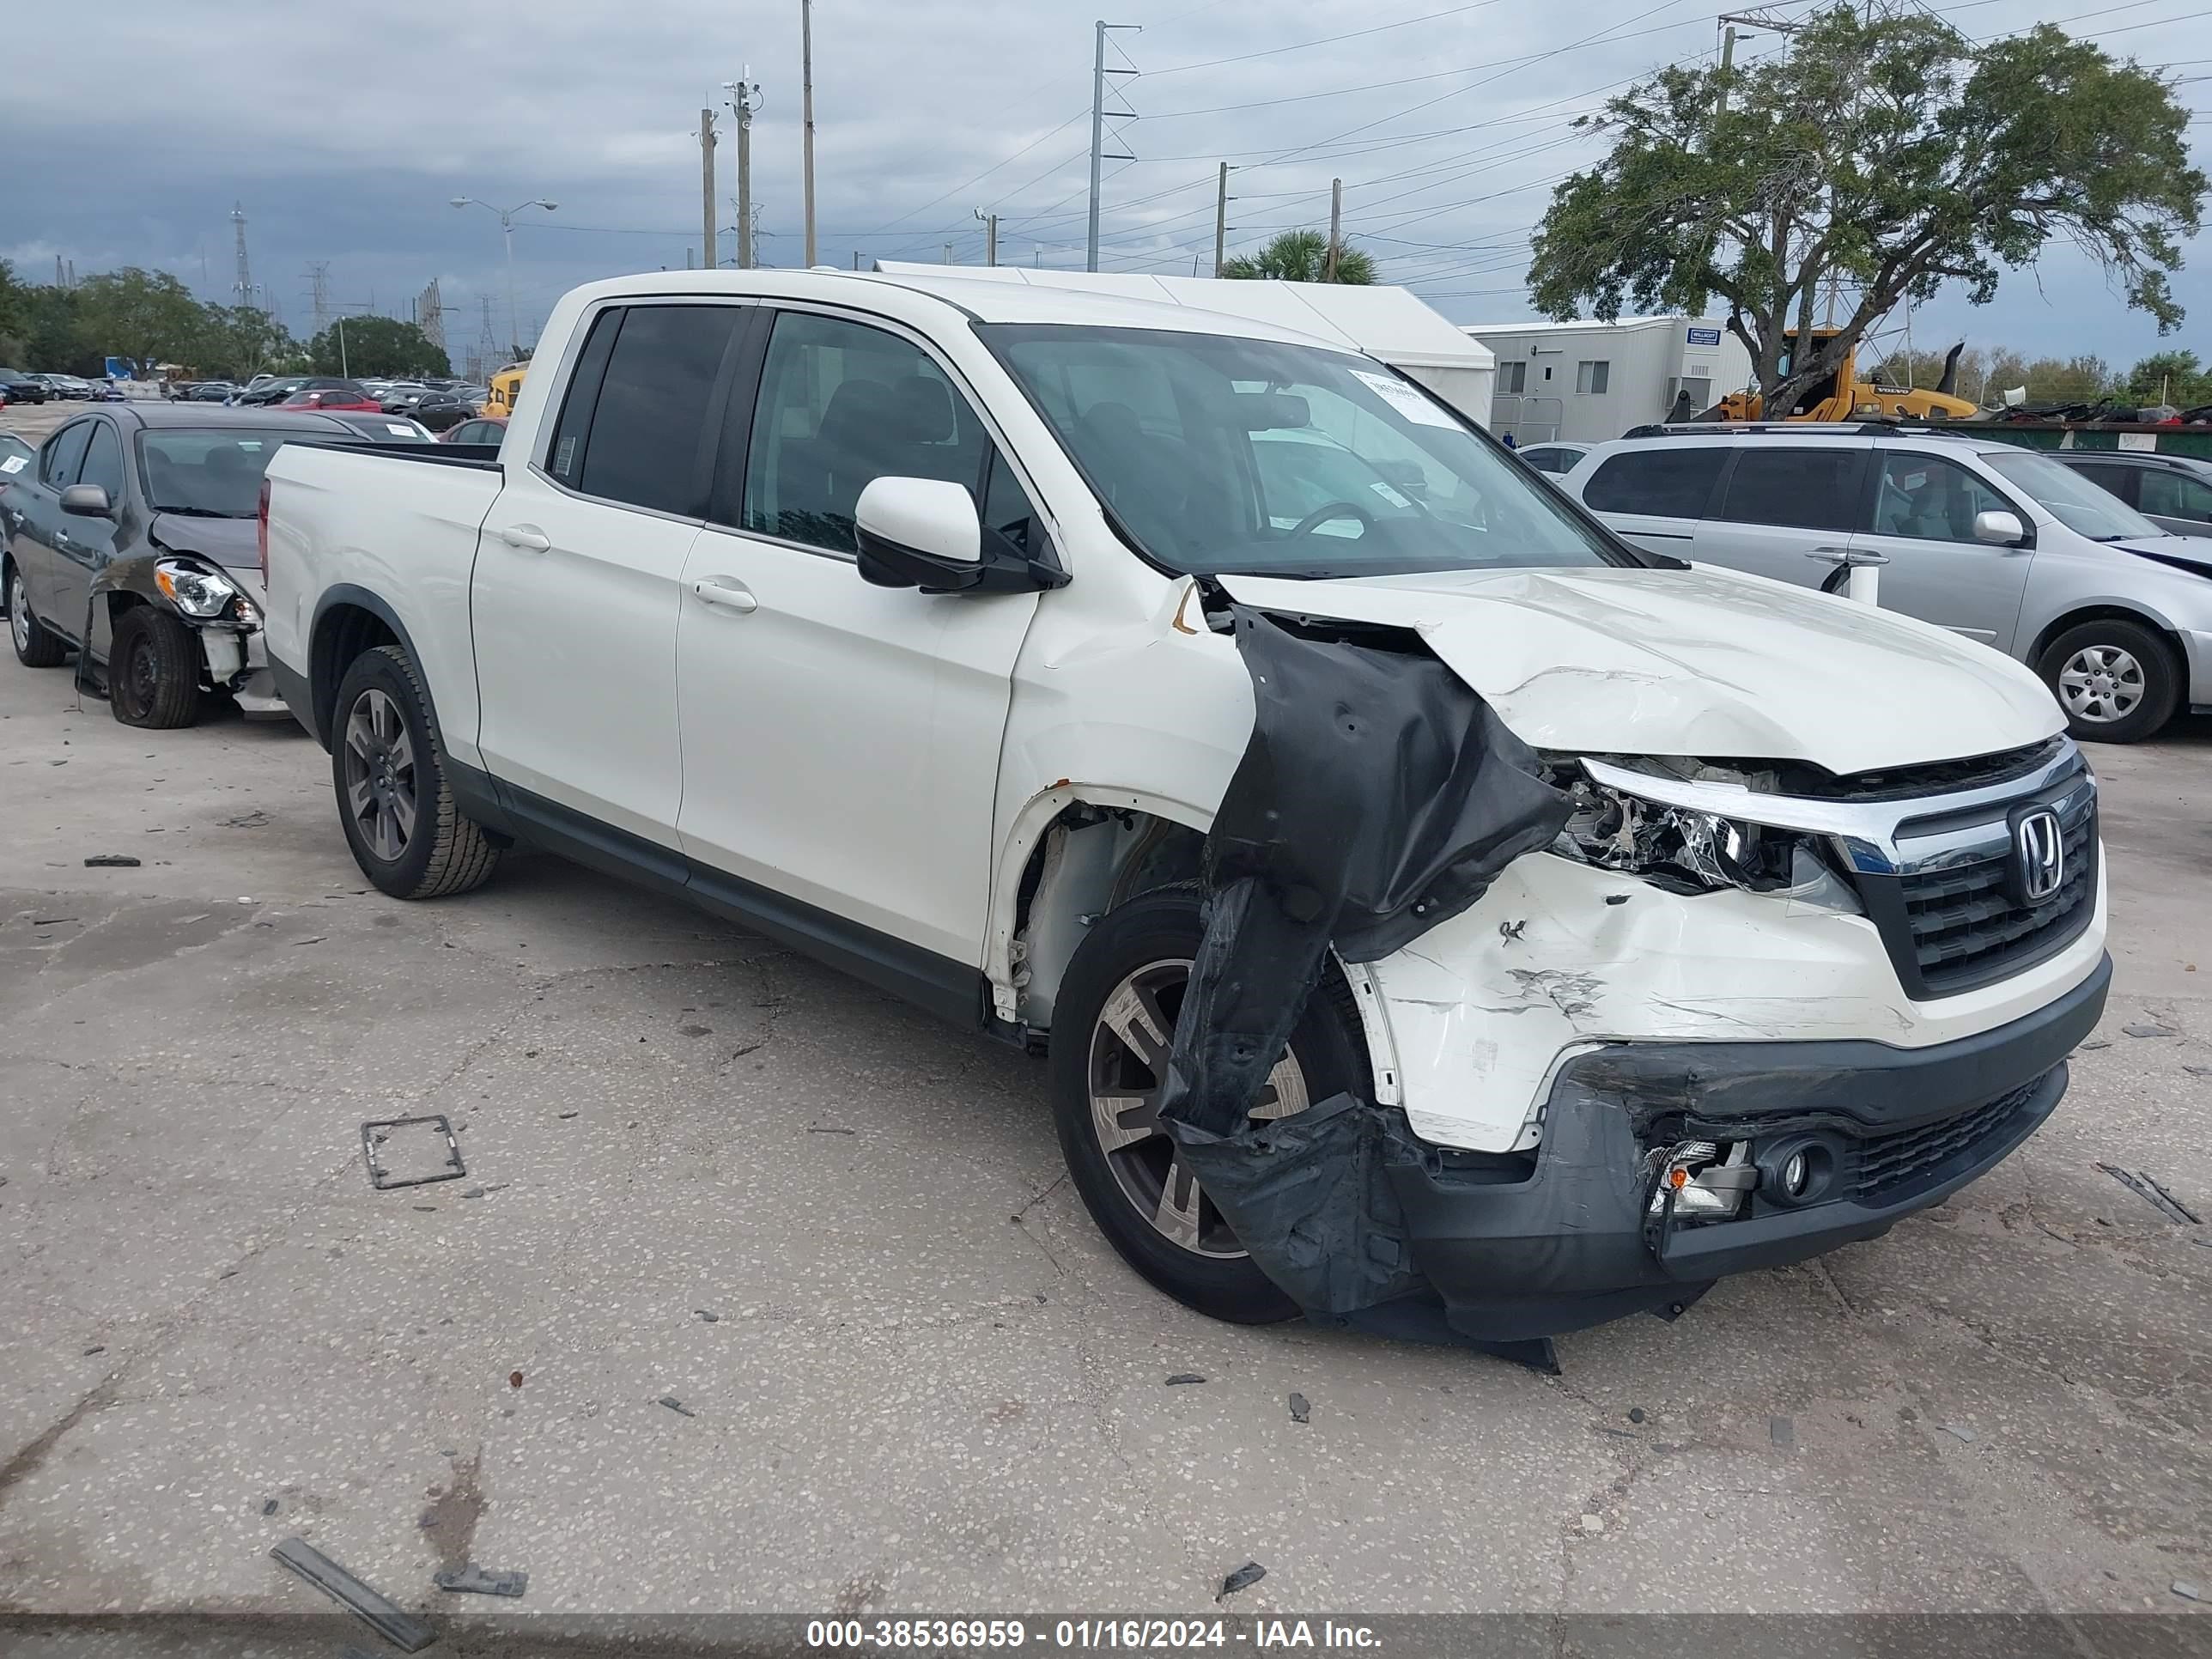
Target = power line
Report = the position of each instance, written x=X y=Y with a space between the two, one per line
x=1326 y=40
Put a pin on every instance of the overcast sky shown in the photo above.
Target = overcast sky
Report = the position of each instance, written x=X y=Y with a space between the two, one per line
x=345 y=129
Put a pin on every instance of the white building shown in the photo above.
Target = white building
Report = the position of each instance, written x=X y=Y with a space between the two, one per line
x=1389 y=324
x=1589 y=382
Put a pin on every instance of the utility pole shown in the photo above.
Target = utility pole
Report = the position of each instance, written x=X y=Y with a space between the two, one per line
x=1098 y=74
x=1335 y=228
x=806 y=115
x=744 y=99
x=1220 y=219
x=990 y=236
x=707 y=187
x=318 y=279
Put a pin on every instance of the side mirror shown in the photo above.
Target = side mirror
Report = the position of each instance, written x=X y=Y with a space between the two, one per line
x=2000 y=529
x=918 y=533
x=87 y=502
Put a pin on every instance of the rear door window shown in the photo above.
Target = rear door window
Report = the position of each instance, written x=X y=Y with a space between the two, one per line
x=1666 y=481
x=1808 y=489
x=60 y=461
x=650 y=439
x=2174 y=494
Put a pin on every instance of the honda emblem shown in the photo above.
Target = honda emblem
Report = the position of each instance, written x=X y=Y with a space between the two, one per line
x=2038 y=850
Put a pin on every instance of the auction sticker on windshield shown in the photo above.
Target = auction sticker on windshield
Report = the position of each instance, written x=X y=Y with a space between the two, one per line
x=13 y=464
x=1403 y=398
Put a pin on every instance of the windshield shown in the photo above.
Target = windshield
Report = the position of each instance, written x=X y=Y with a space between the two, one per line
x=1219 y=455
x=209 y=474
x=2083 y=506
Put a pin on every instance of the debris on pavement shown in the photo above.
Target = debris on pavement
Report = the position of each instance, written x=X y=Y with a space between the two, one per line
x=1243 y=1578
x=1181 y=1377
x=1636 y=1413
x=2186 y=1591
x=111 y=861
x=1782 y=1431
x=2198 y=1071
x=1960 y=1432
x=675 y=1405
x=269 y=1506
x=1301 y=1412
x=2153 y=1194
x=386 y=1617
x=711 y=1318
x=514 y=1379
x=1593 y=1525
x=2150 y=1030
x=2093 y=1043
x=413 y=1158
x=473 y=1580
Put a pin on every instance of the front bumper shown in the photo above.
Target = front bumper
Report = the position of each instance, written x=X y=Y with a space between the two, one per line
x=1573 y=1244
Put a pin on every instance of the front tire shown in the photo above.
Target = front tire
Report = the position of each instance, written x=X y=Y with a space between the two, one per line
x=1113 y=1022
x=36 y=645
x=394 y=800
x=2117 y=681
x=152 y=671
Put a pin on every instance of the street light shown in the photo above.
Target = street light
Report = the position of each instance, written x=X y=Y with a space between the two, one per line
x=506 y=225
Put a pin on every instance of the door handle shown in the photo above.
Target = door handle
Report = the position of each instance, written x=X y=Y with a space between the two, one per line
x=1851 y=556
x=526 y=535
x=726 y=592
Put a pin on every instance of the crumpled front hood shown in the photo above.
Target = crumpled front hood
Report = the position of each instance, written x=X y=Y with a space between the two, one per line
x=234 y=543
x=1702 y=662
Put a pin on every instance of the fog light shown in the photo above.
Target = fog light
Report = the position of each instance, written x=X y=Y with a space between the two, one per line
x=1796 y=1169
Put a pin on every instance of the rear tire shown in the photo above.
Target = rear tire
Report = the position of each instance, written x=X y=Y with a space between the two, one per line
x=36 y=645
x=1135 y=961
x=2116 y=681
x=152 y=671
x=394 y=800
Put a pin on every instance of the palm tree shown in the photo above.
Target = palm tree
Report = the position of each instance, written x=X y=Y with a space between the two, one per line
x=1302 y=256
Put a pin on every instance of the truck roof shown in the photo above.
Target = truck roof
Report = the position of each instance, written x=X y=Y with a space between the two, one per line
x=979 y=299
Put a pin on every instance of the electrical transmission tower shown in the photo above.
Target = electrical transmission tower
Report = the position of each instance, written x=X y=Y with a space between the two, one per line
x=487 y=342
x=243 y=287
x=430 y=315
x=318 y=277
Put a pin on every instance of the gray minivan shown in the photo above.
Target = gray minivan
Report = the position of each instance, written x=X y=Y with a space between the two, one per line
x=1997 y=543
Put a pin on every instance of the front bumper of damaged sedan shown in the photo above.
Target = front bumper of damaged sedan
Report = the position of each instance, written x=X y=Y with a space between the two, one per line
x=1580 y=1230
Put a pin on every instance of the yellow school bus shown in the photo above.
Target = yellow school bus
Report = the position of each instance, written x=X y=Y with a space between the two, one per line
x=506 y=388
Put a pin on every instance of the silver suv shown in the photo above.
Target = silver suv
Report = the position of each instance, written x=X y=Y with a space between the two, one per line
x=1997 y=543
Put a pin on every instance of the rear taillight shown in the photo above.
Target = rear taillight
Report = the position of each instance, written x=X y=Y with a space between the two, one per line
x=261 y=532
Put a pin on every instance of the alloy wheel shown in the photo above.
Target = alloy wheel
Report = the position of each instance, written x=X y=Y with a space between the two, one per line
x=379 y=774
x=1128 y=1065
x=2101 y=684
x=19 y=613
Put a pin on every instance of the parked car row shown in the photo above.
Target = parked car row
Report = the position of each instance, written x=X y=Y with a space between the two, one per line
x=131 y=530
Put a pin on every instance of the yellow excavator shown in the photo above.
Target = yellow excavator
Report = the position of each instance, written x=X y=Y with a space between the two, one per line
x=1843 y=396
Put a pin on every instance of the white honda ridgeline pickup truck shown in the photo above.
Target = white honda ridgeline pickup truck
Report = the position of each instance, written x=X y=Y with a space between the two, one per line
x=891 y=618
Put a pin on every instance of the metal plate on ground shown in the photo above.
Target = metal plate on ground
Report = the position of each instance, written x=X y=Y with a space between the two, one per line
x=411 y=1152
x=387 y=1619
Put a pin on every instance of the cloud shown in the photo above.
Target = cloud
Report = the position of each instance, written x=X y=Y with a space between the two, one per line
x=344 y=130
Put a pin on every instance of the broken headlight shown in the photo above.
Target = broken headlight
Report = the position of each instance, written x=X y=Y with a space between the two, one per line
x=1686 y=850
x=194 y=590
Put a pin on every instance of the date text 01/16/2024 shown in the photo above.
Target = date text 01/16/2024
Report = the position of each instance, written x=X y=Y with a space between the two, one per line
x=1124 y=1635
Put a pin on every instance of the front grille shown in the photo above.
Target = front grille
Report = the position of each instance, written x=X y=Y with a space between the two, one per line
x=1967 y=927
x=1890 y=1167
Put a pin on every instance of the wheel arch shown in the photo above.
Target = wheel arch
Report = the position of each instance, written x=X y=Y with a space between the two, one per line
x=2110 y=610
x=349 y=621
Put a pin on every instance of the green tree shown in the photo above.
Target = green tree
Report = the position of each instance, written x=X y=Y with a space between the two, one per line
x=144 y=316
x=239 y=342
x=2173 y=377
x=1302 y=256
x=375 y=346
x=1883 y=151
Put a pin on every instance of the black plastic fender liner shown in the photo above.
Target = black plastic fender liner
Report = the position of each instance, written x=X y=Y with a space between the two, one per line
x=1378 y=796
